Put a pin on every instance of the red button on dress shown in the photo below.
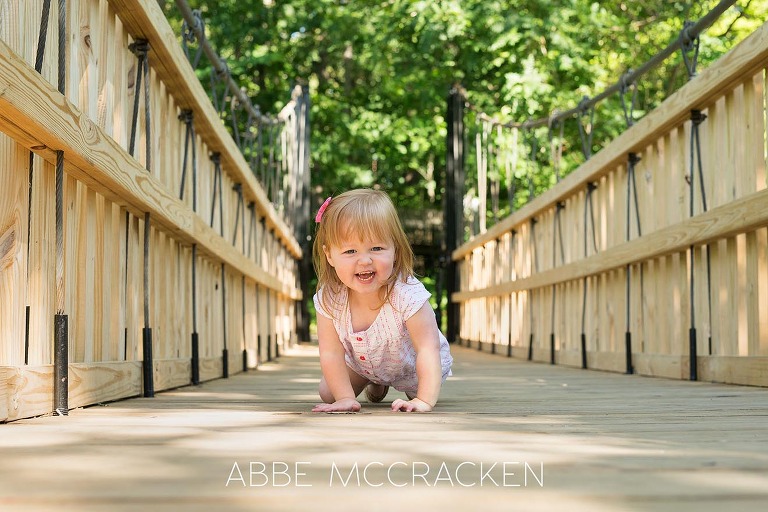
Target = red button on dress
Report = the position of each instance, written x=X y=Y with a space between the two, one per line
x=359 y=338
x=362 y=358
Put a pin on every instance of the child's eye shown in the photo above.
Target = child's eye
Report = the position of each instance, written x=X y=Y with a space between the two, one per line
x=377 y=248
x=349 y=251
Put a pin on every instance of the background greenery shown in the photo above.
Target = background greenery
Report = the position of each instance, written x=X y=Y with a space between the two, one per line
x=379 y=71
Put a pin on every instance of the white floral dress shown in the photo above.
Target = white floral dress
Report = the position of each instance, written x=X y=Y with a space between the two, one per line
x=384 y=353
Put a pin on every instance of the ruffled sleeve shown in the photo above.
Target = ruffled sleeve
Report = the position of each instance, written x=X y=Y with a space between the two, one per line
x=409 y=297
x=318 y=300
x=337 y=302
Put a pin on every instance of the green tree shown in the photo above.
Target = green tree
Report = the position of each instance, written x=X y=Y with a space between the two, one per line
x=379 y=71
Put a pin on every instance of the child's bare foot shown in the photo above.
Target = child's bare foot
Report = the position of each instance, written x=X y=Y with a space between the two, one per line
x=375 y=393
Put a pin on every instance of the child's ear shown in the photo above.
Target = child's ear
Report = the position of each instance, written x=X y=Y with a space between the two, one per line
x=327 y=255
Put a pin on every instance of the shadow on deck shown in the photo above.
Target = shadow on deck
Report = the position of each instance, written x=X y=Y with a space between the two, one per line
x=506 y=435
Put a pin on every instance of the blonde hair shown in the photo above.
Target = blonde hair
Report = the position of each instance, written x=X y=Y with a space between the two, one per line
x=369 y=215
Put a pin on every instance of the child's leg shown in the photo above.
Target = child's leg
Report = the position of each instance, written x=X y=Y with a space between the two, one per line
x=358 y=384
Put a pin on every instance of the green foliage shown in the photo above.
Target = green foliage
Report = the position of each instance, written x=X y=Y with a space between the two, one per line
x=379 y=71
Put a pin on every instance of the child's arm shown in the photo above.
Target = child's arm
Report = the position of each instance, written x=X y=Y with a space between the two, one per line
x=334 y=370
x=426 y=340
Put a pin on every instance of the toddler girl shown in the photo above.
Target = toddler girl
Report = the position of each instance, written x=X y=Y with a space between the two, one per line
x=374 y=323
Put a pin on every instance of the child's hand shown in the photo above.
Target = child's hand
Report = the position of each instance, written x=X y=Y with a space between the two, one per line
x=343 y=405
x=414 y=405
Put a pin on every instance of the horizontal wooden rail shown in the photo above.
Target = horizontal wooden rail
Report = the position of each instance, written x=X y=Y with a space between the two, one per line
x=741 y=216
x=98 y=161
x=144 y=19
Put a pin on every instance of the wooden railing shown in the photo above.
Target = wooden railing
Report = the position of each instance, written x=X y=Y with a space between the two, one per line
x=649 y=294
x=217 y=264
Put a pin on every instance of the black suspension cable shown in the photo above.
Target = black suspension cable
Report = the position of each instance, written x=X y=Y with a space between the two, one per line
x=61 y=320
x=629 y=110
x=534 y=150
x=689 y=45
x=146 y=269
x=189 y=30
x=43 y=35
x=591 y=187
x=147 y=363
x=235 y=129
x=697 y=117
x=186 y=117
x=238 y=188
x=689 y=33
x=225 y=351
x=633 y=160
x=251 y=227
x=251 y=138
x=242 y=302
x=511 y=168
x=275 y=166
x=195 y=363
x=557 y=227
x=556 y=149
x=530 y=291
x=259 y=171
x=269 y=314
x=216 y=159
x=196 y=26
x=257 y=257
x=139 y=47
x=512 y=304
x=586 y=136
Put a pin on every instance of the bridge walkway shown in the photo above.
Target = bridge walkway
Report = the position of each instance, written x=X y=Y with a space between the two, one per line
x=571 y=440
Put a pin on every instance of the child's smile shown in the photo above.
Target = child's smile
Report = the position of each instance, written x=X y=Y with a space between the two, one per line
x=366 y=277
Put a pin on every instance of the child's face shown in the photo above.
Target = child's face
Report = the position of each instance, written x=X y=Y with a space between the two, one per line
x=362 y=265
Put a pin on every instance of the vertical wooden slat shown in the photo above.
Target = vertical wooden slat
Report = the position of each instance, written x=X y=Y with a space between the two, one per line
x=13 y=227
x=118 y=82
x=742 y=295
x=86 y=271
x=731 y=336
x=114 y=290
x=73 y=198
x=716 y=257
x=41 y=271
x=98 y=264
x=134 y=308
x=761 y=283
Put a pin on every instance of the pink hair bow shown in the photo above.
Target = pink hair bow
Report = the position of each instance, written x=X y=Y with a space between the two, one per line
x=320 y=212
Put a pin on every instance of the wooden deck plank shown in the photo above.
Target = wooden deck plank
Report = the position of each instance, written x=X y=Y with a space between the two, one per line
x=605 y=442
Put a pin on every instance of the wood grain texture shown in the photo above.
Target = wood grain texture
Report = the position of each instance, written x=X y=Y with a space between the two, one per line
x=25 y=391
x=92 y=383
x=13 y=253
x=740 y=216
x=172 y=373
x=35 y=114
x=145 y=19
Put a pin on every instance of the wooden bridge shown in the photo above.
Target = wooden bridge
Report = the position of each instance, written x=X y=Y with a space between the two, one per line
x=146 y=252
x=567 y=439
